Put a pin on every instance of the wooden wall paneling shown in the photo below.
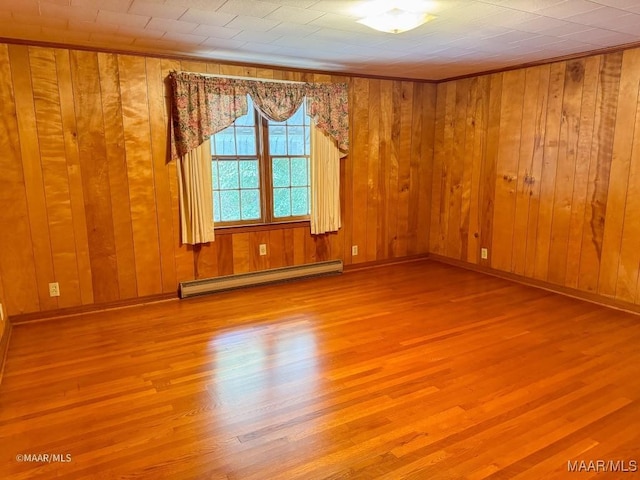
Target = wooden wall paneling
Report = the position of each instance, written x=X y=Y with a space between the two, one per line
x=74 y=174
x=479 y=119
x=370 y=216
x=195 y=66
x=426 y=167
x=266 y=73
x=415 y=163
x=225 y=253
x=448 y=166
x=549 y=168
x=46 y=96
x=322 y=247
x=620 y=165
x=467 y=159
x=393 y=170
x=629 y=262
x=205 y=259
x=287 y=75
x=358 y=154
x=599 y=171
x=311 y=243
x=241 y=252
x=337 y=240
x=523 y=187
x=507 y=169
x=299 y=248
x=346 y=187
x=17 y=264
x=276 y=253
x=183 y=254
x=287 y=237
x=583 y=162
x=336 y=244
x=137 y=141
x=565 y=172
x=456 y=165
x=535 y=168
x=33 y=176
x=436 y=239
x=118 y=175
x=258 y=262
x=404 y=168
x=384 y=156
x=489 y=166
x=317 y=77
x=213 y=68
x=441 y=167
x=95 y=175
x=160 y=157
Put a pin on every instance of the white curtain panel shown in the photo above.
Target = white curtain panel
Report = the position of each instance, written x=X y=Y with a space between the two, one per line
x=325 y=183
x=196 y=196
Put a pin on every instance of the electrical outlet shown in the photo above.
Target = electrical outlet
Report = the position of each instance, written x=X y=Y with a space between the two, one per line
x=484 y=253
x=354 y=250
x=263 y=249
x=1 y=313
x=54 y=289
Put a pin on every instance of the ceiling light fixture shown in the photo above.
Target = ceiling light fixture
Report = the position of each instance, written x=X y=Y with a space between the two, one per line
x=396 y=17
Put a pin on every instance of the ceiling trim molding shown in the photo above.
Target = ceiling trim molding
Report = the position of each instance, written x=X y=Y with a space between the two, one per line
x=138 y=53
x=562 y=58
x=194 y=58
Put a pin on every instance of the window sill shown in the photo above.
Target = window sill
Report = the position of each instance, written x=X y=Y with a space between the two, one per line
x=259 y=227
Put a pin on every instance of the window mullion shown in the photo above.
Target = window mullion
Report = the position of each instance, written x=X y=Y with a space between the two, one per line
x=267 y=190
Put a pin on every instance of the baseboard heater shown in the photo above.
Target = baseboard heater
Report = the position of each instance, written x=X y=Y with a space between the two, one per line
x=274 y=275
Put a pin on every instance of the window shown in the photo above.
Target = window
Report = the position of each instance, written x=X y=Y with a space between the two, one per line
x=260 y=169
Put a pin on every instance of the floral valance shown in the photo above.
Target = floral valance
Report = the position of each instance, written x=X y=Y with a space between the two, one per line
x=203 y=105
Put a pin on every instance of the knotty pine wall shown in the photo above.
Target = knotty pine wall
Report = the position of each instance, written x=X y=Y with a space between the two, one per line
x=88 y=200
x=574 y=127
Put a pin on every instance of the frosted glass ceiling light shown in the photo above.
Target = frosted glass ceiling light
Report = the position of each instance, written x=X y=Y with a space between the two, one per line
x=398 y=17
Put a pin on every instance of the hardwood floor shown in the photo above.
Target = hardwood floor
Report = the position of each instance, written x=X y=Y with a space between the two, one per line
x=412 y=371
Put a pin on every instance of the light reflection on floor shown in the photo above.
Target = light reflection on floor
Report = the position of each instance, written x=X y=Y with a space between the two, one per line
x=259 y=373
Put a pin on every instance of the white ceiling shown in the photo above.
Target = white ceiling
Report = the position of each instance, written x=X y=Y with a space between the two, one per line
x=467 y=36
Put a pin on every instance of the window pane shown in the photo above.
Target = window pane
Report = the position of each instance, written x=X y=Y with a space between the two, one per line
x=224 y=142
x=214 y=175
x=216 y=206
x=250 y=204
x=277 y=139
x=299 y=172
x=300 y=201
x=296 y=140
x=298 y=117
x=228 y=174
x=281 y=172
x=246 y=140
x=230 y=205
x=249 y=174
x=281 y=202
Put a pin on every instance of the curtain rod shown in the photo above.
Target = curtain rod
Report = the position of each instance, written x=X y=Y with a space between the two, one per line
x=235 y=77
